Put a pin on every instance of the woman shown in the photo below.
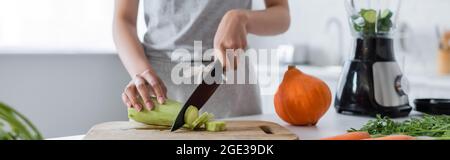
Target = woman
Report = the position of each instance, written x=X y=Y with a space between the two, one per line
x=176 y=24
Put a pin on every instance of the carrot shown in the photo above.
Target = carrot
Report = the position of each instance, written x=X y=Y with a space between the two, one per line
x=393 y=137
x=349 y=136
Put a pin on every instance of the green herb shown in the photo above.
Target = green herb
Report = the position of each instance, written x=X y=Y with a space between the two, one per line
x=14 y=126
x=429 y=125
x=370 y=22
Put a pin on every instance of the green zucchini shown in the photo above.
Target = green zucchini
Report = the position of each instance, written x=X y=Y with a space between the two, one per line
x=163 y=114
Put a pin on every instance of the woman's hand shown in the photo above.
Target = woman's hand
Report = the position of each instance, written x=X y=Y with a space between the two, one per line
x=145 y=86
x=236 y=24
x=231 y=34
x=145 y=82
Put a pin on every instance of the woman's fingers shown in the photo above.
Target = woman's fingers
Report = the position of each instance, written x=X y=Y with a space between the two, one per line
x=145 y=86
x=144 y=91
x=157 y=88
x=231 y=35
x=218 y=55
x=126 y=101
x=164 y=88
x=227 y=55
x=133 y=96
x=156 y=85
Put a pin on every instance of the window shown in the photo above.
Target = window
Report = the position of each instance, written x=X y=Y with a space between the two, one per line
x=57 y=26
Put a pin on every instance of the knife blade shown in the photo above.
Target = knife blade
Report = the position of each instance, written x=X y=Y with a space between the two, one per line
x=201 y=94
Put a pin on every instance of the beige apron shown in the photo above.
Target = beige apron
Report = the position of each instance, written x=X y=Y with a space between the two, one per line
x=229 y=100
x=176 y=24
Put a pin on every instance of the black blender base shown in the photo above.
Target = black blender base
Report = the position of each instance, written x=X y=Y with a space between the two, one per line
x=392 y=112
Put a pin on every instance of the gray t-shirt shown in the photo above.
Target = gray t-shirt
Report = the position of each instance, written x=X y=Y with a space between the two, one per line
x=176 y=24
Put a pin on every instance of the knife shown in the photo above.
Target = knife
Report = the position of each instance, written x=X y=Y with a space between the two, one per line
x=200 y=95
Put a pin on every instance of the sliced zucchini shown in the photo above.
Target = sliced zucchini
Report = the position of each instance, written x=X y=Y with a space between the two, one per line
x=370 y=16
x=201 y=120
x=190 y=115
x=216 y=126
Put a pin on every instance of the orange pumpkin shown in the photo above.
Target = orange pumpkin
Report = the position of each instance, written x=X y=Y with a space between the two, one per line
x=301 y=99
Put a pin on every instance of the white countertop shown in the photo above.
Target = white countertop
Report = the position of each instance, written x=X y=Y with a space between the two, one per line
x=331 y=124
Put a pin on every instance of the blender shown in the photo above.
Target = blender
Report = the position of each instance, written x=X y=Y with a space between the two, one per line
x=372 y=82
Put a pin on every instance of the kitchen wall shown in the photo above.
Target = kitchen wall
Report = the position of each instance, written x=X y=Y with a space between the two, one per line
x=64 y=94
x=321 y=27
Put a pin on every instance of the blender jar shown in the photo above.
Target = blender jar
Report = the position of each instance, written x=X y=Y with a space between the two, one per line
x=372 y=82
x=373 y=18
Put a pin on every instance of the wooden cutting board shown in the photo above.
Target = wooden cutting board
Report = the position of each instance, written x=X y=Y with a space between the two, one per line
x=236 y=130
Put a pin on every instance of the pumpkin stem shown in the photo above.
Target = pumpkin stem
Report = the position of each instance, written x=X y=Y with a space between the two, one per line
x=291 y=67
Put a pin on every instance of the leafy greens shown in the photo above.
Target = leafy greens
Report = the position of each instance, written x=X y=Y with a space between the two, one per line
x=14 y=126
x=437 y=126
